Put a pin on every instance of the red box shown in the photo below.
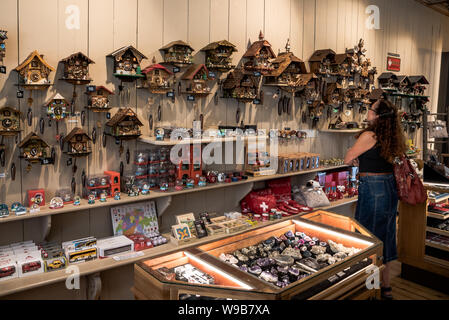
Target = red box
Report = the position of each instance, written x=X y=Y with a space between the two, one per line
x=140 y=242
x=36 y=196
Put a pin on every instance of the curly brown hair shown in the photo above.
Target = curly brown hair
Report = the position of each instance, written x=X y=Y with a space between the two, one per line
x=388 y=131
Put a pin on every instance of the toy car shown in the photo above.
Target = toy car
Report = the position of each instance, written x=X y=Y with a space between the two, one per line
x=31 y=266
x=7 y=271
x=4 y=212
x=55 y=264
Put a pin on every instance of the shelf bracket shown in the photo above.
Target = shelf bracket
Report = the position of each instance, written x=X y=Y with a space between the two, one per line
x=93 y=286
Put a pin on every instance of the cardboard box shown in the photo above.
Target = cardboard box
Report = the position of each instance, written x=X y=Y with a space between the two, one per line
x=114 y=245
x=8 y=269
x=30 y=264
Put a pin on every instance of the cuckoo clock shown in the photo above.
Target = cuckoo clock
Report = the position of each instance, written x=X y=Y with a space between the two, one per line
x=418 y=85
x=341 y=65
x=311 y=84
x=78 y=143
x=9 y=121
x=241 y=86
x=321 y=61
x=57 y=107
x=287 y=70
x=177 y=53
x=124 y=125
x=34 y=149
x=127 y=63
x=403 y=84
x=387 y=80
x=196 y=77
x=258 y=56
x=158 y=78
x=34 y=72
x=98 y=99
x=218 y=55
x=76 y=69
x=3 y=37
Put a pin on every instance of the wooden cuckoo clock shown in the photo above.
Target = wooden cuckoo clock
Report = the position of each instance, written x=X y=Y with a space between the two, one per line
x=158 y=78
x=57 y=107
x=287 y=71
x=196 y=77
x=321 y=61
x=76 y=69
x=34 y=149
x=34 y=72
x=177 y=53
x=219 y=55
x=78 y=143
x=124 y=125
x=259 y=56
x=403 y=84
x=98 y=99
x=127 y=63
x=387 y=81
x=418 y=85
x=3 y=37
x=9 y=121
x=311 y=85
x=241 y=86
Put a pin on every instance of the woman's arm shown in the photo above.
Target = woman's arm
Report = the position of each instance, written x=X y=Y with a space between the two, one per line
x=364 y=143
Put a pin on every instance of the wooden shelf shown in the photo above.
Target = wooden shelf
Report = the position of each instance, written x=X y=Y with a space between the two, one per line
x=438 y=231
x=439 y=199
x=340 y=203
x=46 y=211
x=436 y=261
x=153 y=141
x=438 y=215
x=12 y=286
x=342 y=131
x=437 y=246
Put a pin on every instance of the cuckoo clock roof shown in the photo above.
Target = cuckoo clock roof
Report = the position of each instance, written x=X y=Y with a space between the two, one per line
x=304 y=79
x=193 y=70
x=11 y=109
x=78 y=55
x=234 y=79
x=284 y=60
x=340 y=58
x=32 y=136
x=120 y=52
x=56 y=96
x=3 y=34
x=156 y=66
x=403 y=80
x=418 y=79
x=176 y=43
x=255 y=48
x=75 y=132
x=30 y=58
x=320 y=55
x=387 y=76
x=376 y=94
x=217 y=44
x=101 y=88
x=121 y=115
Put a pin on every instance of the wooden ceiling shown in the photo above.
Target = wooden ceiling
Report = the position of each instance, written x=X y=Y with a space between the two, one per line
x=442 y=6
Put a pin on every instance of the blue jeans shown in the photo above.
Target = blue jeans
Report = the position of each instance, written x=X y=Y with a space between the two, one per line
x=377 y=210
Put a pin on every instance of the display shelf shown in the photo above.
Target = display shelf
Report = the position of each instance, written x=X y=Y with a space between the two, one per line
x=438 y=231
x=153 y=141
x=339 y=203
x=443 y=198
x=437 y=246
x=12 y=286
x=437 y=261
x=438 y=215
x=46 y=211
x=342 y=131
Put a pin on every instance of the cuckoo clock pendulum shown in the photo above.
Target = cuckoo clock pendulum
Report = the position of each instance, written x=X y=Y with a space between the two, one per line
x=34 y=74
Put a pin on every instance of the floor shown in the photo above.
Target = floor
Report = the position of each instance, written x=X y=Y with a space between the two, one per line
x=406 y=290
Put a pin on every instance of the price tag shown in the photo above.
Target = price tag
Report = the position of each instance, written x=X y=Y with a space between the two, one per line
x=190 y=98
x=108 y=115
x=176 y=69
x=117 y=141
x=256 y=101
x=45 y=161
x=19 y=94
x=170 y=94
x=91 y=88
x=211 y=74
x=3 y=69
x=69 y=162
x=2 y=175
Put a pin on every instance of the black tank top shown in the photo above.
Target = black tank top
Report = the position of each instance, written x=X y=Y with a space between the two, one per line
x=372 y=162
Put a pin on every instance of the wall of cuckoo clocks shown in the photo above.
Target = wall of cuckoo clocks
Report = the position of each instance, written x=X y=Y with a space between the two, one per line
x=47 y=46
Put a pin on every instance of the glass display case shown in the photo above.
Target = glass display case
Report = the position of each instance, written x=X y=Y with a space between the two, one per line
x=317 y=256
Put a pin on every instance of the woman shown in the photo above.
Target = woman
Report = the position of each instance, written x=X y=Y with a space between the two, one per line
x=374 y=152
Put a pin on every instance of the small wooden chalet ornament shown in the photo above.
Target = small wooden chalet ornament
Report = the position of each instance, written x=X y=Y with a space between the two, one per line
x=287 y=70
x=3 y=37
x=57 y=107
x=34 y=72
x=9 y=121
x=158 y=78
x=78 y=143
x=177 y=53
x=76 y=69
x=124 y=125
x=197 y=76
x=403 y=84
x=241 y=86
x=218 y=55
x=259 y=56
x=98 y=100
x=127 y=63
x=321 y=61
x=33 y=148
x=387 y=80
x=418 y=85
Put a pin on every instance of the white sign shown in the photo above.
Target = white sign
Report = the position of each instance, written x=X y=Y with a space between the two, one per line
x=73 y=20
x=373 y=21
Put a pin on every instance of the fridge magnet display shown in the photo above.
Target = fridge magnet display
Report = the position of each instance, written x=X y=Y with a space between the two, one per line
x=127 y=63
x=219 y=55
x=36 y=196
x=158 y=78
x=181 y=232
x=78 y=143
x=321 y=61
x=124 y=125
x=98 y=99
x=178 y=53
x=241 y=86
x=76 y=69
x=34 y=72
x=138 y=218
x=197 y=76
x=9 y=121
x=259 y=56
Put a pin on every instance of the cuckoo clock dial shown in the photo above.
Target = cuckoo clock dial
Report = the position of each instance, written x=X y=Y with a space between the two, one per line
x=7 y=123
